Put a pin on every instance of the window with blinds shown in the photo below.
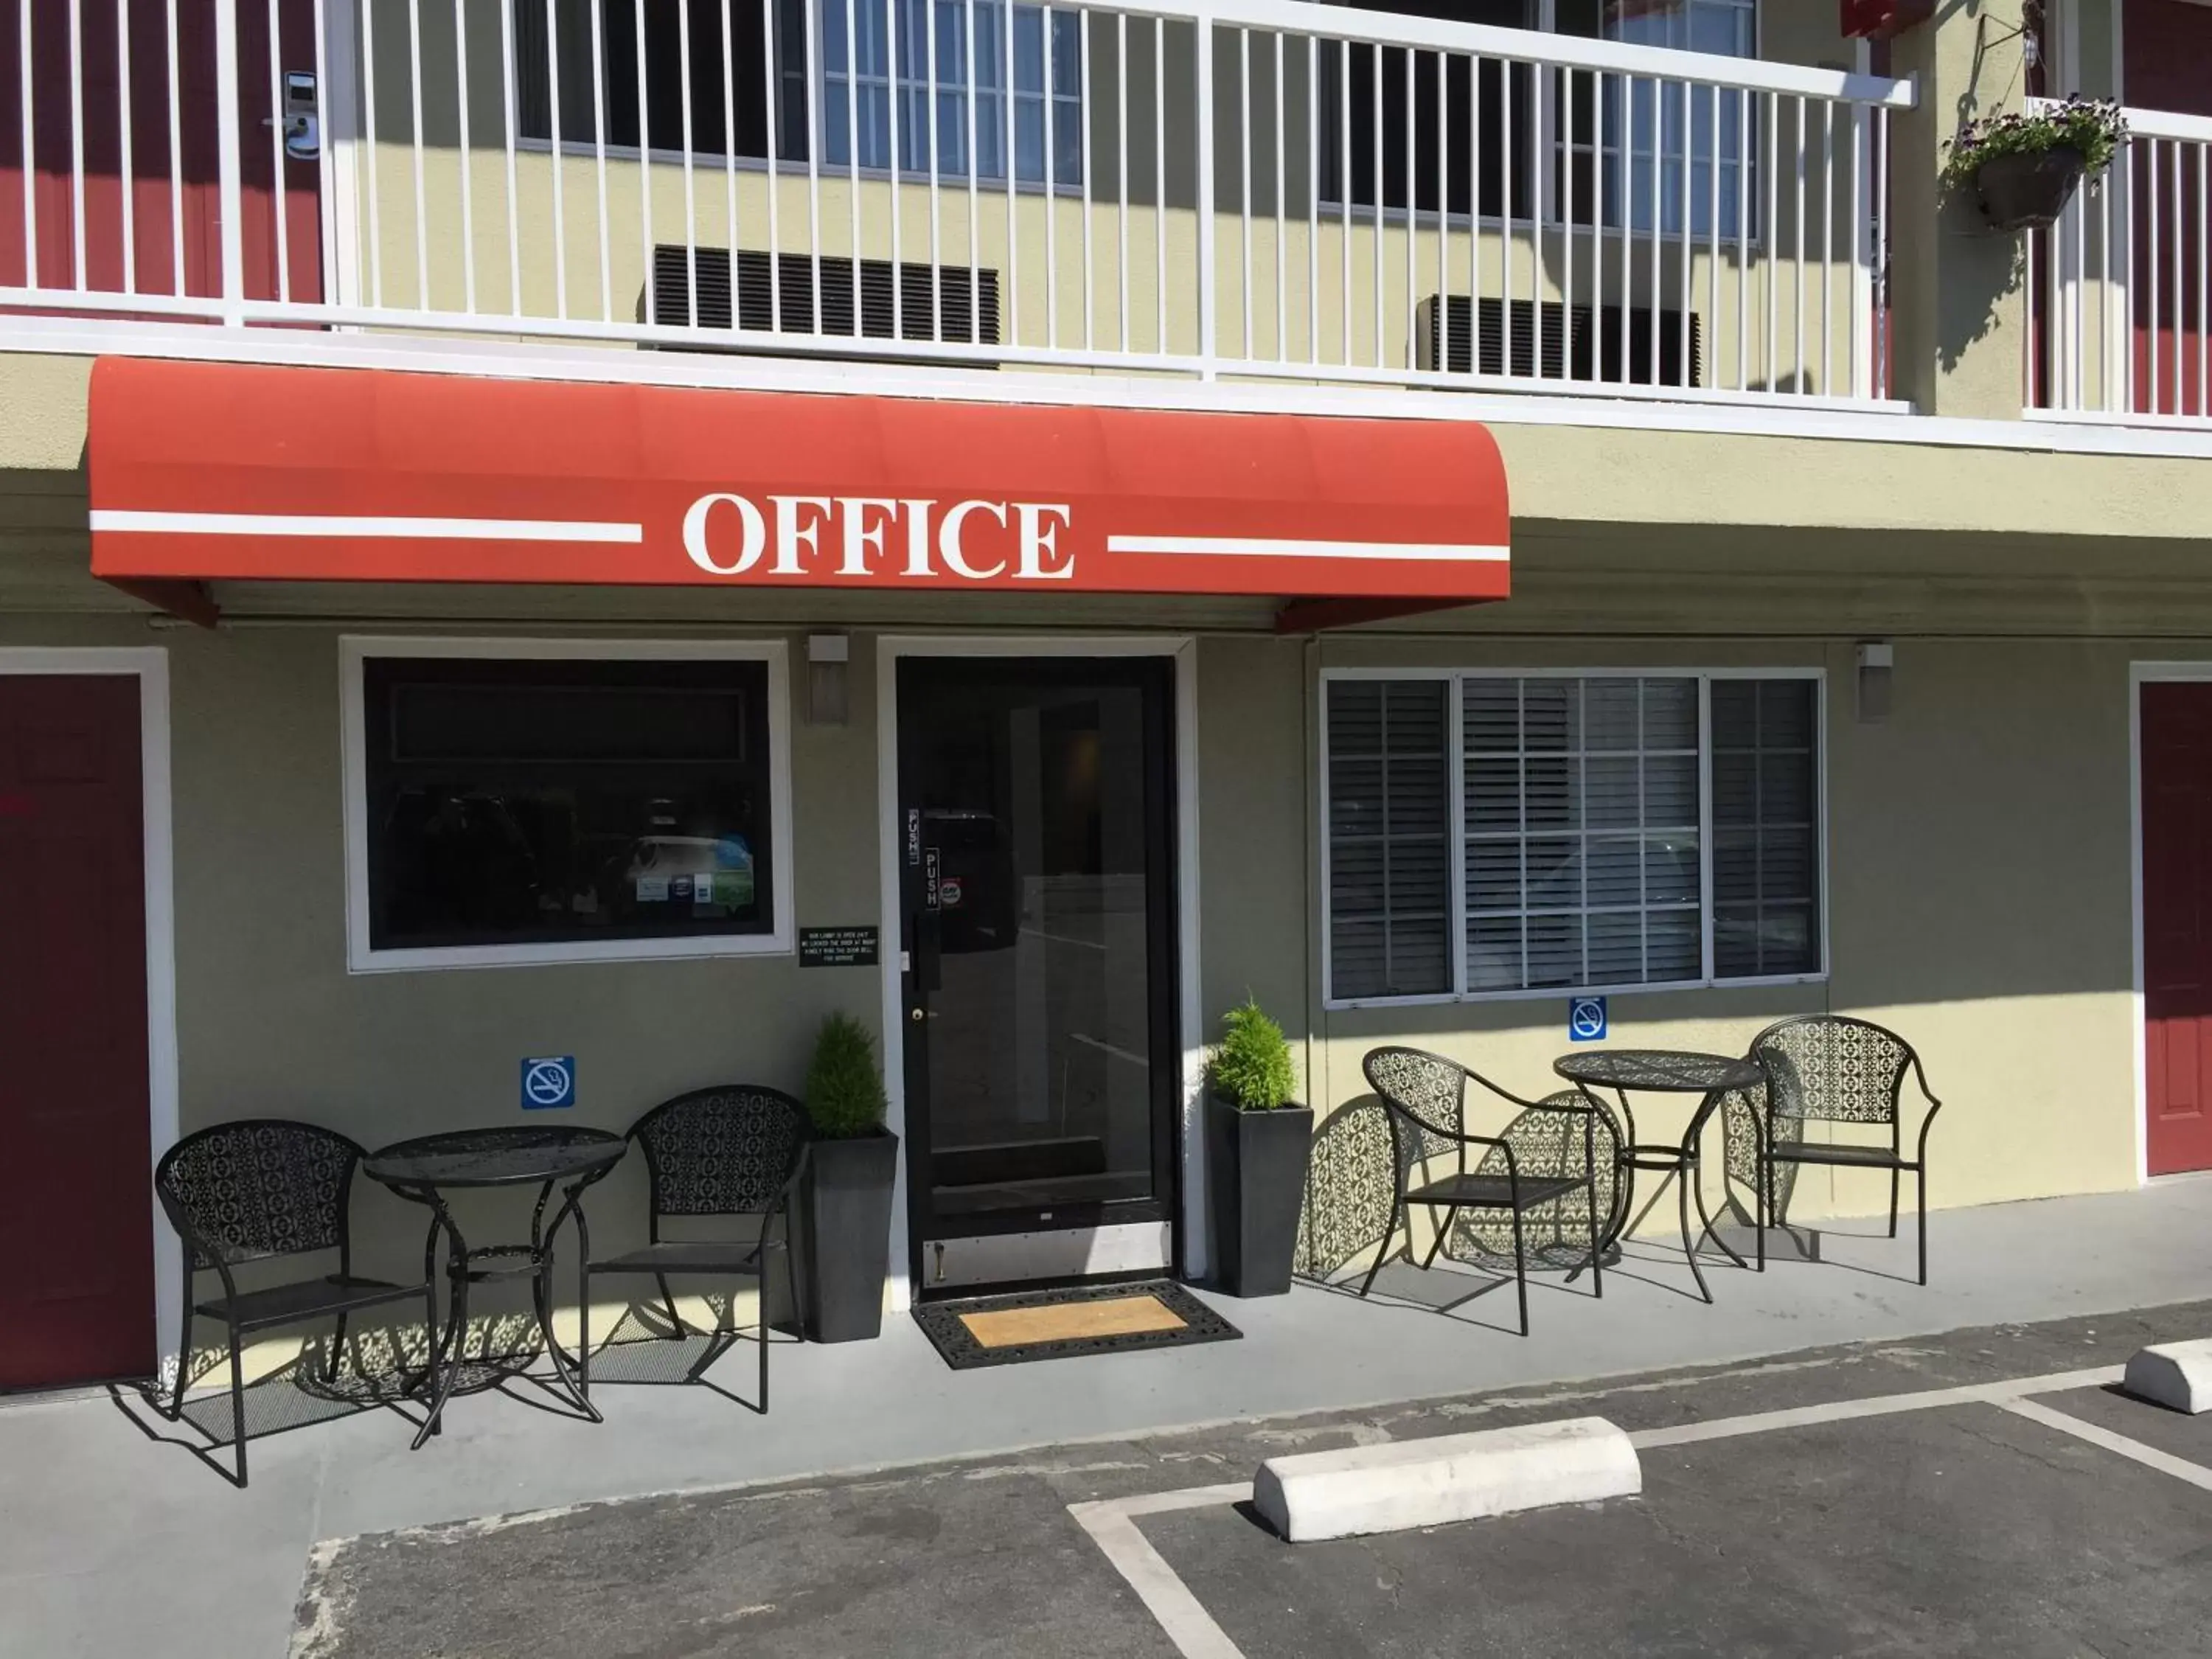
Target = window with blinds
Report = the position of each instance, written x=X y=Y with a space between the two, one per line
x=1765 y=906
x=1581 y=831
x=1389 y=838
x=1581 y=807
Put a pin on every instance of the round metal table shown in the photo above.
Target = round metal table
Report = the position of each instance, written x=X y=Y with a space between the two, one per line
x=424 y=1170
x=1663 y=1071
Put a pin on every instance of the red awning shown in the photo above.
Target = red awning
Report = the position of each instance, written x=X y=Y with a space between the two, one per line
x=203 y=471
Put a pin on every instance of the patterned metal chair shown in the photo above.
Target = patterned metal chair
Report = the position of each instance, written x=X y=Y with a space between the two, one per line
x=735 y=1149
x=1546 y=1142
x=258 y=1190
x=1832 y=1068
x=1426 y=1098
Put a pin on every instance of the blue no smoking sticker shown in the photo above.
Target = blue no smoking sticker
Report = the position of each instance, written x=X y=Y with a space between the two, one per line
x=1586 y=1019
x=549 y=1082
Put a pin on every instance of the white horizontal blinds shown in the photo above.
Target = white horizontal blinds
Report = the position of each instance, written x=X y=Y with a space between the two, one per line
x=1389 y=838
x=1766 y=916
x=1581 y=813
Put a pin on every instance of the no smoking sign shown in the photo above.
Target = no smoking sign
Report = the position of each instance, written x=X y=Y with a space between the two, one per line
x=549 y=1083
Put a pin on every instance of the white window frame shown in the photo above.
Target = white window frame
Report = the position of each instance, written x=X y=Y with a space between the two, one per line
x=354 y=650
x=1707 y=979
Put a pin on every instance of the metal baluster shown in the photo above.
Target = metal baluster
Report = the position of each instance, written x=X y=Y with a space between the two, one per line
x=123 y=121
x=853 y=151
x=1244 y=203
x=230 y=116
x=421 y=192
x=771 y=117
x=514 y=233
x=468 y=196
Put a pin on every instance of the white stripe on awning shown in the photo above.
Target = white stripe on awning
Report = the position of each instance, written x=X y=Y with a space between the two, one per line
x=1265 y=547
x=300 y=524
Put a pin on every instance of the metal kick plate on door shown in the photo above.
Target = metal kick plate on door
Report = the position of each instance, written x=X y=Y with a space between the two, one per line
x=1059 y=1253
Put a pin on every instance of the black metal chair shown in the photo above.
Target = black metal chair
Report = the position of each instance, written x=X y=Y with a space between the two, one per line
x=736 y=1149
x=1426 y=1096
x=1832 y=1068
x=258 y=1190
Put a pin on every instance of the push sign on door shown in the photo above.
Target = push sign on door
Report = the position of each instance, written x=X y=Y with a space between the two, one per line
x=549 y=1083
x=1586 y=1019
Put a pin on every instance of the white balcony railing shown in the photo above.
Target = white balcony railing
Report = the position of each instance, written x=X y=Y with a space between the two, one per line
x=1202 y=187
x=2120 y=285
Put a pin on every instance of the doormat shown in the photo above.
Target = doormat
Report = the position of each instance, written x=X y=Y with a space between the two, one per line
x=1059 y=1324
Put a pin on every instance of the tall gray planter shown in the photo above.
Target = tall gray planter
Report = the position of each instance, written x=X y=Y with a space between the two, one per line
x=845 y=1234
x=1257 y=1168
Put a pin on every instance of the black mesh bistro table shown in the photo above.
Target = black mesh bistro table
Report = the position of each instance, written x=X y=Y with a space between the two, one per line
x=425 y=1169
x=1673 y=1071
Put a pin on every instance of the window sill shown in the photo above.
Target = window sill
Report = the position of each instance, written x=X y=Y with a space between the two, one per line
x=1544 y=992
x=567 y=952
x=788 y=167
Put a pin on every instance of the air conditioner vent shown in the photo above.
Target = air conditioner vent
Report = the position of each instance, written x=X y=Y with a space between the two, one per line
x=779 y=294
x=1579 y=341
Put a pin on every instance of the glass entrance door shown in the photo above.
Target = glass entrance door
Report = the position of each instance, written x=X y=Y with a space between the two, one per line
x=1036 y=885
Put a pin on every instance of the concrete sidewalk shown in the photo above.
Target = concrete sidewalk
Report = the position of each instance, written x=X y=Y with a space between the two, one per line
x=112 y=1543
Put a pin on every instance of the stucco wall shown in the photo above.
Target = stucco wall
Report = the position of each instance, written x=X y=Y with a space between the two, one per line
x=1980 y=901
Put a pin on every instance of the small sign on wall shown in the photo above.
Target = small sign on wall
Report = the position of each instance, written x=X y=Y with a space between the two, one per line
x=837 y=947
x=549 y=1083
x=1586 y=1021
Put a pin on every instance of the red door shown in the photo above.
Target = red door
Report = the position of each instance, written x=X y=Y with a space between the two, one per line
x=175 y=201
x=2177 y=900
x=76 y=1231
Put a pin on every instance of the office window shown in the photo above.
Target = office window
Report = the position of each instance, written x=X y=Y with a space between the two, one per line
x=523 y=808
x=1582 y=814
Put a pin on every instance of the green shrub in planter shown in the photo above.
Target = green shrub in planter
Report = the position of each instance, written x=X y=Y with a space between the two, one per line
x=1251 y=1068
x=844 y=1090
x=845 y=1201
x=1260 y=1141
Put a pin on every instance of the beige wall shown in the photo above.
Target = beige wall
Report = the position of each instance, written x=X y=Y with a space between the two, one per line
x=1978 y=901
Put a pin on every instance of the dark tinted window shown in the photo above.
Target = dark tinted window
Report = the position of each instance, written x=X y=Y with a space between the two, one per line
x=522 y=802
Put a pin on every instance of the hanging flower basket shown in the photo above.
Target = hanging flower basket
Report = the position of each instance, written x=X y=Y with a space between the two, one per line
x=2028 y=189
x=2024 y=167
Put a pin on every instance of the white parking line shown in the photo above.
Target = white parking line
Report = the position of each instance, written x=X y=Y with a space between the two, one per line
x=2149 y=1456
x=1178 y=1613
x=1112 y=1522
x=1885 y=1404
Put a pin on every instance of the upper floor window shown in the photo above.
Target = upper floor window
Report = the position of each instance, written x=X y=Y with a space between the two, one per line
x=970 y=45
x=1464 y=134
x=704 y=77
x=1685 y=155
x=683 y=68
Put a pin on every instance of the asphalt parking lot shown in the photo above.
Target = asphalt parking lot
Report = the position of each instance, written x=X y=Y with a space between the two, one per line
x=1878 y=1498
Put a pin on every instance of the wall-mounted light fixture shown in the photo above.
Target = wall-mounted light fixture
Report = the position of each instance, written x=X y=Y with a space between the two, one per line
x=1877 y=661
x=827 y=658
